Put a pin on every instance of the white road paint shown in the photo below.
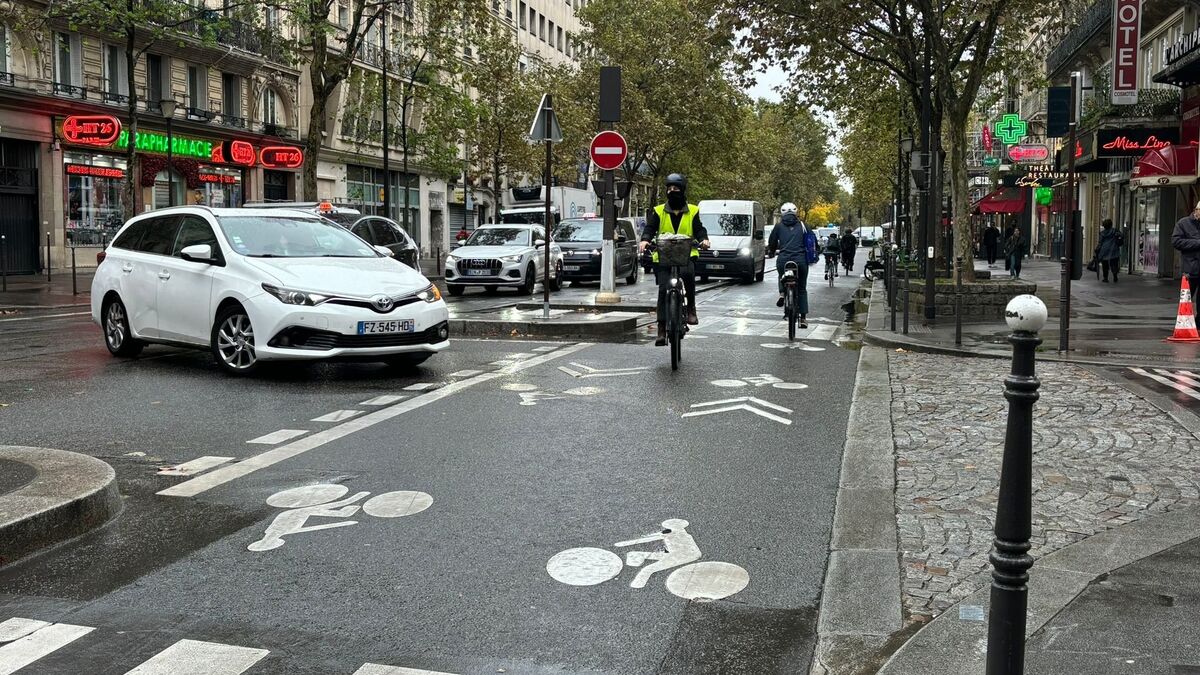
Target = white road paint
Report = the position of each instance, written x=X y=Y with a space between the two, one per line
x=17 y=628
x=585 y=566
x=708 y=580
x=585 y=391
x=376 y=669
x=45 y=640
x=45 y=316
x=423 y=386
x=545 y=348
x=746 y=403
x=1180 y=375
x=729 y=383
x=225 y=474
x=277 y=437
x=585 y=372
x=823 y=332
x=397 y=504
x=385 y=399
x=198 y=465
x=465 y=373
x=193 y=657
x=792 y=345
x=1181 y=388
x=307 y=495
x=337 y=416
x=519 y=386
x=759 y=381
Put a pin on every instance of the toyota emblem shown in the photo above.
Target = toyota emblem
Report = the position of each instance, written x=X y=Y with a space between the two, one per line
x=382 y=303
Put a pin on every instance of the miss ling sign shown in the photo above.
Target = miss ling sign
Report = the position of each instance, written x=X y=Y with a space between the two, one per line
x=1127 y=30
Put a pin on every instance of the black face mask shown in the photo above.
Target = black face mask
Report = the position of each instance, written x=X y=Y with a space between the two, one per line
x=676 y=200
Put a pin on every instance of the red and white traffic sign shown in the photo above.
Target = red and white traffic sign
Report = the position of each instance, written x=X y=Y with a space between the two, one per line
x=609 y=150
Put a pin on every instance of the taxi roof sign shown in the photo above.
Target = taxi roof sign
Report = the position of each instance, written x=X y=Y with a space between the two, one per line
x=325 y=207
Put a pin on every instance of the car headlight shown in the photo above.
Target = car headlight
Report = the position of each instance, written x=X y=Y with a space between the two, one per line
x=595 y=251
x=431 y=294
x=290 y=296
x=744 y=251
x=510 y=258
x=451 y=259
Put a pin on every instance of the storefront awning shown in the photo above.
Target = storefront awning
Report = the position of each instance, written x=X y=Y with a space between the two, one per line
x=1163 y=167
x=1004 y=200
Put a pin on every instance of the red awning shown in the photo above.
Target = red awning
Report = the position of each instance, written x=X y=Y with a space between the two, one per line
x=1004 y=200
x=1165 y=167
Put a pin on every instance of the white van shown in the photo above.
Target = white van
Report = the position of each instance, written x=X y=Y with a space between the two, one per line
x=869 y=235
x=737 y=230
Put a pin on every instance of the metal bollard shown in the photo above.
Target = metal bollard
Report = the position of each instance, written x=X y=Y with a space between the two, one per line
x=958 y=262
x=47 y=256
x=4 y=261
x=74 y=286
x=906 y=294
x=1026 y=316
x=893 y=258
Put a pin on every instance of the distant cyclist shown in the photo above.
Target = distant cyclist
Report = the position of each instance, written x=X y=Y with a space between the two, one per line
x=787 y=241
x=832 y=253
x=849 y=245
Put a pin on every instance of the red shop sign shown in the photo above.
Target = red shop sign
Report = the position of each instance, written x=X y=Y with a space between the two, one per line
x=1134 y=142
x=238 y=152
x=217 y=178
x=99 y=130
x=281 y=157
x=1030 y=152
x=95 y=171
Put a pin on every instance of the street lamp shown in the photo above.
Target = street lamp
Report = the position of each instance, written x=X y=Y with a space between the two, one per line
x=906 y=148
x=167 y=108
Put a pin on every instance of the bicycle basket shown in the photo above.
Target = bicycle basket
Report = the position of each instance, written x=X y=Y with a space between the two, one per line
x=674 y=250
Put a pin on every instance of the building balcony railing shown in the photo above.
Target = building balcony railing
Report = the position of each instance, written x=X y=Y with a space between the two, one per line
x=1152 y=103
x=279 y=130
x=234 y=121
x=7 y=79
x=70 y=90
x=114 y=99
x=199 y=114
x=210 y=25
x=1097 y=18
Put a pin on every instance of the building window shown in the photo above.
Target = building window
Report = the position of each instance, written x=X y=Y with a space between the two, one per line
x=154 y=81
x=231 y=96
x=542 y=27
x=5 y=54
x=532 y=21
x=521 y=14
x=68 y=65
x=343 y=16
x=550 y=34
x=270 y=104
x=197 y=90
x=568 y=44
x=93 y=194
x=560 y=38
x=271 y=17
x=116 y=75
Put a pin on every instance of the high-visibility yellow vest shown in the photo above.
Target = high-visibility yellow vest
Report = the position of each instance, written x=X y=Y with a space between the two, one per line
x=685 y=225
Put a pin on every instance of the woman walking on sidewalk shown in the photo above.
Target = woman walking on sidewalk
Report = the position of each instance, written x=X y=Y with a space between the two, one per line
x=1109 y=250
x=1014 y=250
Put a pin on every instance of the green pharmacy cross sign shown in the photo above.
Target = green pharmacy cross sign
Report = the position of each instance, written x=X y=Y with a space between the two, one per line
x=1011 y=129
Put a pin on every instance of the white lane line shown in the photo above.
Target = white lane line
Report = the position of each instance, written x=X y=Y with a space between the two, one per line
x=385 y=399
x=45 y=316
x=195 y=466
x=193 y=657
x=16 y=655
x=423 y=386
x=1182 y=376
x=1169 y=382
x=465 y=373
x=376 y=669
x=17 y=628
x=822 y=332
x=280 y=436
x=546 y=348
x=195 y=486
x=337 y=416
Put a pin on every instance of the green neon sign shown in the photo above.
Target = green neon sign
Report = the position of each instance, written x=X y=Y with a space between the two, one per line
x=1043 y=195
x=181 y=146
x=1011 y=129
x=991 y=161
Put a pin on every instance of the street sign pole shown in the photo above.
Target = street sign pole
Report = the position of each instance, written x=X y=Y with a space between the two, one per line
x=608 y=290
x=545 y=129
x=1064 y=298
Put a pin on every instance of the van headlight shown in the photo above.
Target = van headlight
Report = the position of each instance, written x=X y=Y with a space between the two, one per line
x=745 y=251
x=430 y=295
x=290 y=296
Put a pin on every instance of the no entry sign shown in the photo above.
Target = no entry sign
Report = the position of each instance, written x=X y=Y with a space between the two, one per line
x=609 y=150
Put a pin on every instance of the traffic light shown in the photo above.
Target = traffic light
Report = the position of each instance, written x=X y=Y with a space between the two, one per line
x=1058 y=111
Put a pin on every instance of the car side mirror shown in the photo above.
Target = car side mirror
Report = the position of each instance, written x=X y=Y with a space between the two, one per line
x=539 y=243
x=760 y=235
x=621 y=239
x=385 y=251
x=198 y=253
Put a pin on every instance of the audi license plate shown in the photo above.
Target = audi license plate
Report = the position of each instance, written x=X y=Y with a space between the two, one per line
x=571 y=268
x=378 y=327
x=478 y=273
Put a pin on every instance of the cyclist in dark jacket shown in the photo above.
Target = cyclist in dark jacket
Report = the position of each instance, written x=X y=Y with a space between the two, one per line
x=787 y=241
x=849 y=245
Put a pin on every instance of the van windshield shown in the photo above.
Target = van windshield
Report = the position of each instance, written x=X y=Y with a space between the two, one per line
x=726 y=224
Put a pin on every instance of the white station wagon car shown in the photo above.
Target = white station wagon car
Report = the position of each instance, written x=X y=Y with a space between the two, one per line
x=497 y=256
x=262 y=285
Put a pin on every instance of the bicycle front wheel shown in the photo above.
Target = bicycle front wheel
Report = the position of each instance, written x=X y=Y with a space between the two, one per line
x=674 y=326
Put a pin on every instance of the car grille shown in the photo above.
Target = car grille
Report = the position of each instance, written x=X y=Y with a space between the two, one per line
x=297 y=337
x=492 y=264
x=397 y=302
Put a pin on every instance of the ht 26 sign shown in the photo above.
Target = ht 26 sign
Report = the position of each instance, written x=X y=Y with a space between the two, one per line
x=281 y=157
x=98 y=130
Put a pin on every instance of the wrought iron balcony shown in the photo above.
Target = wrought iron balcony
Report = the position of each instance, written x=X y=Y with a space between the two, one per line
x=199 y=114
x=211 y=25
x=235 y=121
x=70 y=90
x=114 y=99
x=1097 y=18
x=278 y=130
x=7 y=79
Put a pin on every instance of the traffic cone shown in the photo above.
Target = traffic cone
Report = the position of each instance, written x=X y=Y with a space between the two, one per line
x=1185 y=322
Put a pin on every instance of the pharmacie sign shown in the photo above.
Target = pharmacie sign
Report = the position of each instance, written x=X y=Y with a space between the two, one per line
x=1134 y=142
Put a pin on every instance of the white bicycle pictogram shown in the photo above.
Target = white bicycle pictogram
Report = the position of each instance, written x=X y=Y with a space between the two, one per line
x=691 y=580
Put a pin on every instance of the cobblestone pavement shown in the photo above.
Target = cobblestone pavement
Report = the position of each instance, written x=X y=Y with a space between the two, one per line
x=1102 y=457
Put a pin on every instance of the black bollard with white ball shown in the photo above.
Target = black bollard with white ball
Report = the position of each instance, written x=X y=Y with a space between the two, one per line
x=1026 y=315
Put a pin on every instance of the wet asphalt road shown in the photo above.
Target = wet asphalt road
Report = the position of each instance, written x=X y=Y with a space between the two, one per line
x=522 y=454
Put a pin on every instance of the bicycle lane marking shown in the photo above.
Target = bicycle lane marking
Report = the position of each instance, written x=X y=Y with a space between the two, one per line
x=225 y=474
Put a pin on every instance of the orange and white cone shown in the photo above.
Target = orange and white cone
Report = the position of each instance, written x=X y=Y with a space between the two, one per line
x=1185 y=322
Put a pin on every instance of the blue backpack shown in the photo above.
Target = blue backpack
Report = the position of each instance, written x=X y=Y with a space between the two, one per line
x=810 y=247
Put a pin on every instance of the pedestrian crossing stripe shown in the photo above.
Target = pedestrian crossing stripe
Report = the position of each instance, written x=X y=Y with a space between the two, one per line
x=1183 y=381
x=23 y=642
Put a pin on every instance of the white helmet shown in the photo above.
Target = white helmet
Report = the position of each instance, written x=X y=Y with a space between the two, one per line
x=787 y=208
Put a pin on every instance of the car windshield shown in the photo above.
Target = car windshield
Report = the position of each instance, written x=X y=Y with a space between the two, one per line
x=500 y=236
x=726 y=224
x=579 y=230
x=292 y=237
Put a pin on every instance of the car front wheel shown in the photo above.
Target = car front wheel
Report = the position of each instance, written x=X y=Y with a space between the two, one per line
x=117 y=336
x=455 y=289
x=233 y=341
x=530 y=280
x=556 y=280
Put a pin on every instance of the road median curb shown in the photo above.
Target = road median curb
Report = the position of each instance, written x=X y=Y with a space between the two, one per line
x=69 y=495
x=604 y=326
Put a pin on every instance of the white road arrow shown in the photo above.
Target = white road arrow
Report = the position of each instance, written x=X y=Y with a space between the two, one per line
x=588 y=371
x=747 y=403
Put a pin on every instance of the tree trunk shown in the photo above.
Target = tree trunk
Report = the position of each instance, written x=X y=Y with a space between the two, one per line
x=312 y=140
x=132 y=176
x=961 y=216
x=404 y=148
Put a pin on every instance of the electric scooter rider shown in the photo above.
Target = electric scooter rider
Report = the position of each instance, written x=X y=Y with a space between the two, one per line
x=787 y=242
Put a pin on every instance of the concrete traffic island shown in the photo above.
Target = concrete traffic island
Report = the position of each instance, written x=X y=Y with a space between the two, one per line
x=53 y=496
x=563 y=323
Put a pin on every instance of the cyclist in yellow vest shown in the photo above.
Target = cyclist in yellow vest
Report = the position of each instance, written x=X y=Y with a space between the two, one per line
x=677 y=216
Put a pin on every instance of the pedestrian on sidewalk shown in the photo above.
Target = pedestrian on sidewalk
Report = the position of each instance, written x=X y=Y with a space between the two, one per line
x=1109 y=250
x=991 y=244
x=1008 y=232
x=1186 y=240
x=1015 y=248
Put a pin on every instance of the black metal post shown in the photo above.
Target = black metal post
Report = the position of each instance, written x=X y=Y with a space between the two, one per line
x=4 y=261
x=1010 y=556
x=47 y=256
x=906 y=270
x=548 y=222
x=170 y=162
x=931 y=201
x=74 y=286
x=1064 y=298
x=387 y=141
x=958 y=263
x=893 y=258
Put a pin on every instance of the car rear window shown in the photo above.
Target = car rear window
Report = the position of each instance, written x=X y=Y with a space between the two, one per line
x=129 y=239
x=160 y=235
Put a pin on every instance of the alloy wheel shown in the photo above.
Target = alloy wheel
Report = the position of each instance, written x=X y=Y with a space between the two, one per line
x=114 y=326
x=235 y=342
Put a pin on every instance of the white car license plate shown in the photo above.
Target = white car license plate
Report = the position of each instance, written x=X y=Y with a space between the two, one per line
x=716 y=267
x=571 y=268
x=478 y=273
x=378 y=327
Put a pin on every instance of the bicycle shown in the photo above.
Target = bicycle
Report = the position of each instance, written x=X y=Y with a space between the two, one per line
x=675 y=252
x=791 y=298
x=831 y=268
